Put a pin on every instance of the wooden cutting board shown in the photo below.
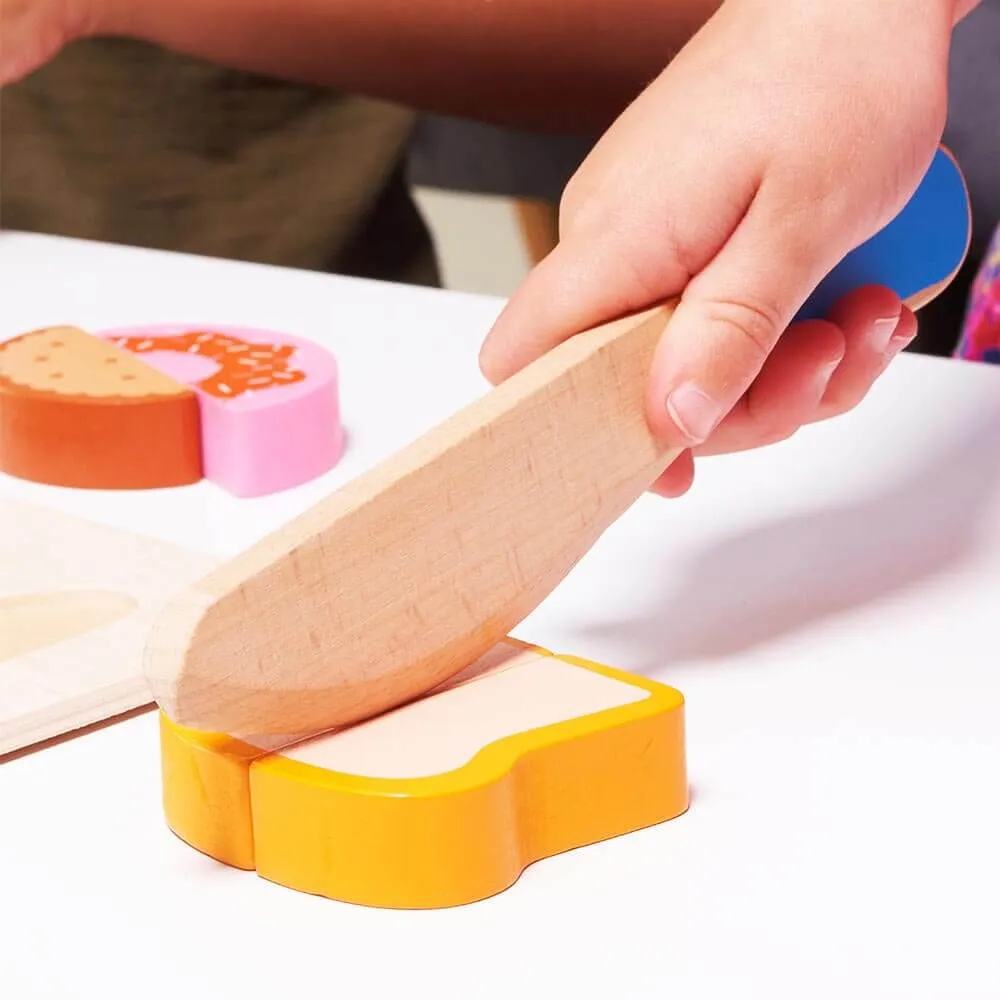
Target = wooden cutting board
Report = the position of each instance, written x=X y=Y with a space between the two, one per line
x=77 y=600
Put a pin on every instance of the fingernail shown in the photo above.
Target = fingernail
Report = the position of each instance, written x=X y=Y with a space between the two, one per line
x=881 y=333
x=694 y=412
x=896 y=344
x=824 y=375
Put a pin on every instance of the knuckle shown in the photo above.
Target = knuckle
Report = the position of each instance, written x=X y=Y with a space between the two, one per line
x=755 y=323
x=590 y=204
x=648 y=256
x=646 y=275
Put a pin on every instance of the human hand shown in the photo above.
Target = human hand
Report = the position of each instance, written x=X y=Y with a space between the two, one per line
x=33 y=31
x=783 y=136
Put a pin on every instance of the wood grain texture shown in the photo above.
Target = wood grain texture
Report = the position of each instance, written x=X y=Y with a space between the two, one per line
x=412 y=571
x=77 y=600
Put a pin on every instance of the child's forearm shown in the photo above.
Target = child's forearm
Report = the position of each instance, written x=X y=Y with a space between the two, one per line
x=554 y=64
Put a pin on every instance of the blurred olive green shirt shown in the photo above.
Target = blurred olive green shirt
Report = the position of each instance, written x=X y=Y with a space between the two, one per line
x=123 y=142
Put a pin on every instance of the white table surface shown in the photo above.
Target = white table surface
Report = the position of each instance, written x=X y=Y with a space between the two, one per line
x=830 y=608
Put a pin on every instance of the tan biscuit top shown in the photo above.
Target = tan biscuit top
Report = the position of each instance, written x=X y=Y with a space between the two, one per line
x=71 y=362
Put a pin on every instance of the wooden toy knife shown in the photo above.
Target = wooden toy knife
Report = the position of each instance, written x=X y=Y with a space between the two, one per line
x=407 y=574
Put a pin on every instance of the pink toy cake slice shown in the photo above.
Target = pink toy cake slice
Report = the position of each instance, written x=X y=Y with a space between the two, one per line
x=269 y=402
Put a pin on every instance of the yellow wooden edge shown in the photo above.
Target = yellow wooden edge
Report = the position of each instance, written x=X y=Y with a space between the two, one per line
x=439 y=840
x=206 y=791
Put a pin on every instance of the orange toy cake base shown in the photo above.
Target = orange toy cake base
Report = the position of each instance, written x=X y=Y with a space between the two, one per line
x=446 y=800
x=76 y=411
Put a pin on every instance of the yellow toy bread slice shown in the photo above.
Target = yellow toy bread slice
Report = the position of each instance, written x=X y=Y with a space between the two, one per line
x=445 y=800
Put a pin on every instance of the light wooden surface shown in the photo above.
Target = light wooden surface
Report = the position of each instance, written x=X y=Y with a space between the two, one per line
x=405 y=576
x=827 y=607
x=77 y=600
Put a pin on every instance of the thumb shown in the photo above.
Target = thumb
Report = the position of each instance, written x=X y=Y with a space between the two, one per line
x=32 y=32
x=728 y=320
x=583 y=282
x=636 y=221
x=731 y=315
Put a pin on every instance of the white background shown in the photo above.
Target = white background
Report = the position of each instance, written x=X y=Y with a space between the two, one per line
x=829 y=607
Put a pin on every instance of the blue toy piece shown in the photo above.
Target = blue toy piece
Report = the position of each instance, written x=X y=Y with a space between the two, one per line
x=917 y=254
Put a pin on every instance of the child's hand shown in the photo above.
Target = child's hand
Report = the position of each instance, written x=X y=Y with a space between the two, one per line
x=33 y=31
x=784 y=135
